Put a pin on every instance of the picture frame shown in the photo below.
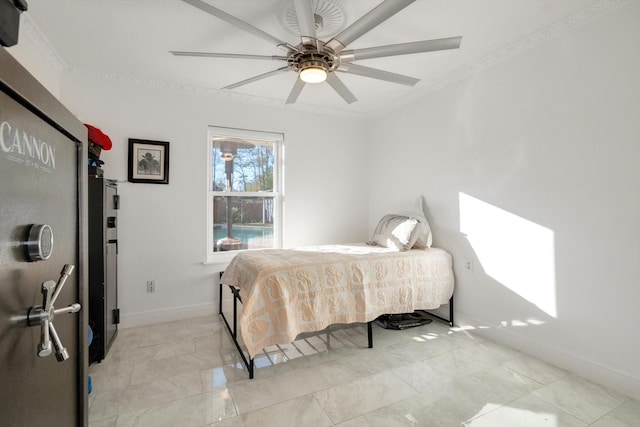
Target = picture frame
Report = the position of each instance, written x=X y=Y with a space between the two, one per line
x=148 y=161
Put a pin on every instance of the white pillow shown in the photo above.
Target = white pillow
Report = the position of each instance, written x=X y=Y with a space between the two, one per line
x=424 y=238
x=395 y=232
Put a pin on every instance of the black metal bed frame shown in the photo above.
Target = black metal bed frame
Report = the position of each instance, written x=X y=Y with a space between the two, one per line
x=248 y=362
x=449 y=321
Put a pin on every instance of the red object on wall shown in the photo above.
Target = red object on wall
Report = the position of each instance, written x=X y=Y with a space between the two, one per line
x=98 y=137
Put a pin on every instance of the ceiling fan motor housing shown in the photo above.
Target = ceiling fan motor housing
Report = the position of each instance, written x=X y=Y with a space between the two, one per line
x=313 y=57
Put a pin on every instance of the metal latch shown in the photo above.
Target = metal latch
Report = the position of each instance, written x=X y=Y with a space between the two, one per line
x=43 y=315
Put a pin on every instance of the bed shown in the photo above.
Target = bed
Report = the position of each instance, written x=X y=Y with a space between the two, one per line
x=279 y=294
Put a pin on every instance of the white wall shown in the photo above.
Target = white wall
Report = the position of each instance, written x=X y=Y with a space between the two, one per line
x=536 y=160
x=33 y=52
x=162 y=228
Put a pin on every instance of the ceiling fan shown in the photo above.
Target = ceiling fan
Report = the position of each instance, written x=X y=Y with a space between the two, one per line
x=316 y=61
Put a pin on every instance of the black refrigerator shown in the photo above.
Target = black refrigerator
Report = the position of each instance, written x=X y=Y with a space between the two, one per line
x=104 y=314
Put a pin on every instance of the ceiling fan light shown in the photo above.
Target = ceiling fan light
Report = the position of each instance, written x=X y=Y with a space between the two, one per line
x=313 y=75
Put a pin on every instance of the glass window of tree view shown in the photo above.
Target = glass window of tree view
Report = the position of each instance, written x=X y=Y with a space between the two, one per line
x=244 y=190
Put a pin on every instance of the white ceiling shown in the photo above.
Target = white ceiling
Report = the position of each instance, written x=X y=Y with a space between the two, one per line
x=130 y=40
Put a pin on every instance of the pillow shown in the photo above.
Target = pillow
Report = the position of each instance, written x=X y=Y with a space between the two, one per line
x=395 y=232
x=424 y=238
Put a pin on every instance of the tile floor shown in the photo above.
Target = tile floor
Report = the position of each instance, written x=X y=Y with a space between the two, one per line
x=187 y=373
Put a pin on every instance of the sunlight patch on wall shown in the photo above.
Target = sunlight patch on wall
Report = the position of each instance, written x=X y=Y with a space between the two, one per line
x=514 y=251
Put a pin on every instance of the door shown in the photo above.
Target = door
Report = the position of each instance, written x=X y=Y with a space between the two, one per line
x=39 y=184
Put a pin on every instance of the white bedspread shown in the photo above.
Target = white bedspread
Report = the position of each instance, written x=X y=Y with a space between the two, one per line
x=289 y=291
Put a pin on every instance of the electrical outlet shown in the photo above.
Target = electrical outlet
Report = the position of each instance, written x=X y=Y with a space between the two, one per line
x=151 y=286
x=468 y=264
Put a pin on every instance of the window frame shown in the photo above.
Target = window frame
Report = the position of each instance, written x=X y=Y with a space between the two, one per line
x=224 y=257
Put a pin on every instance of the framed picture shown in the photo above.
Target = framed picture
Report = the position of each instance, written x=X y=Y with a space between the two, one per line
x=148 y=161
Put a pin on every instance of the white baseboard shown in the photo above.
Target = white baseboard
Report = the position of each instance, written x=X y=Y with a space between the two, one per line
x=614 y=380
x=167 y=315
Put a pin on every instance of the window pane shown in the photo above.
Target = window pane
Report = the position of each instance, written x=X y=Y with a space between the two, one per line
x=242 y=165
x=245 y=185
x=242 y=223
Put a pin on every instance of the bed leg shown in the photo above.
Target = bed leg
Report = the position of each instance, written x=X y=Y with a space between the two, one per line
x=234 y=331
x=370 y=334
x=220 y=307
x=235 y=317
x=449 y=321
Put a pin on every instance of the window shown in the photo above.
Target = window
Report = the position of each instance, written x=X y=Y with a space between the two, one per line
x=244 y=191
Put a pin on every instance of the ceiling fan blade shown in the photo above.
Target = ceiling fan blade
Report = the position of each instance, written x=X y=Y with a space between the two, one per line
x=306 y=21
x=256 y=78
x=228 y=55
x=374 y=73
x=401 y=49
x=339 y=87
x=295 y=91
x=211 y=10
x=366 y=23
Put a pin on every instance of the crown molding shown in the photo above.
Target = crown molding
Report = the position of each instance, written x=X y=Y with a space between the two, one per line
x=31 y=33
x=216 y=93
x=572 y=21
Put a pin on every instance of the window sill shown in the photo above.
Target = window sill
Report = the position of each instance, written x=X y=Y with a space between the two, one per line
x=220 y=260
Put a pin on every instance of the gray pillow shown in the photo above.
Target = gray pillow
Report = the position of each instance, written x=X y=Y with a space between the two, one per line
x=395 y=232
